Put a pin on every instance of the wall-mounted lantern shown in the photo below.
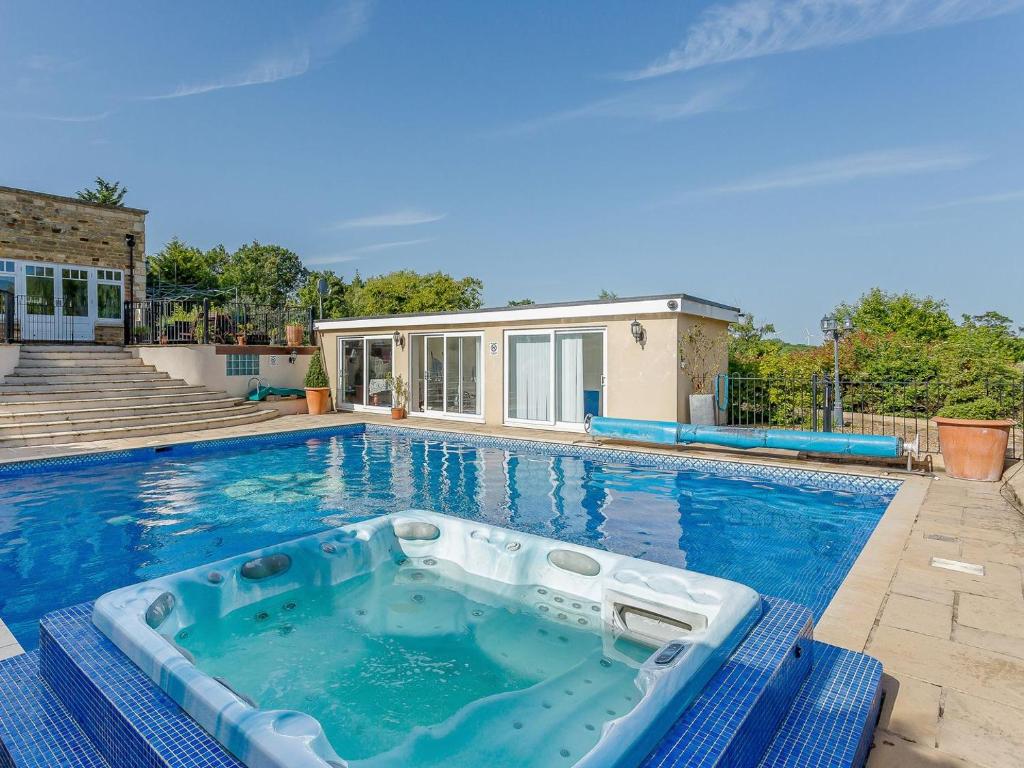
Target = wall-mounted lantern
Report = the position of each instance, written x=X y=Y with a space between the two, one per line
x=639 y=332
x=398 y=339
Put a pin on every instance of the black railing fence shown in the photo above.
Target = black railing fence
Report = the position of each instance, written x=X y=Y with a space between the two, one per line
x=204 y=321
x=873 y=407
x=26 y=319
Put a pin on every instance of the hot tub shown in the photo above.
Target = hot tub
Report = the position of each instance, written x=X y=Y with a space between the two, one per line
x=421 y=639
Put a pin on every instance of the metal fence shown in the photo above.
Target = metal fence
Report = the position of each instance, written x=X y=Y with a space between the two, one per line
x=208 y=322
x=874 y=407
x=28 y=319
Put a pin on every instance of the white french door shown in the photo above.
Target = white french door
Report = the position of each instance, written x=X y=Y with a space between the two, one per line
x=554 y=378
x=446 y=374
x=365 y=366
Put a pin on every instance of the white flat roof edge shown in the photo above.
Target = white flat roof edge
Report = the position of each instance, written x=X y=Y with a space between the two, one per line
x=686 y=305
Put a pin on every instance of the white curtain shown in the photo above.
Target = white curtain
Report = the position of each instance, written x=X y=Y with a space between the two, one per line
x=569 y=385
x=530 y=375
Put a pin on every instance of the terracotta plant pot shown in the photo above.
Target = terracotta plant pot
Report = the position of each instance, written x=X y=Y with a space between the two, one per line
x=397 y=413
x=240 y=340
x=293 y=333
x=318 y=400
x=974 y=449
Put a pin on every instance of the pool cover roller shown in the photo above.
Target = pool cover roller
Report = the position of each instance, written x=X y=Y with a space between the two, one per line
x=671 y=433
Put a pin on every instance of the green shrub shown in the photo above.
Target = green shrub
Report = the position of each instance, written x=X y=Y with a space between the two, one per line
x=316 y=377
x=979 y=408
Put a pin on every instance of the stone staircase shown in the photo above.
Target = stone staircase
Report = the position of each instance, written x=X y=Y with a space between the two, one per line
x=72 y=394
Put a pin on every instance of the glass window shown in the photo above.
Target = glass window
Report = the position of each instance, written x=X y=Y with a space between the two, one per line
x=75 y=285
x=529 y=377
x=243 y=365
x=378 y=372
x=434 y=373
x=351 y=383
x=7 y=276
x=39 y=290
x=108 y=293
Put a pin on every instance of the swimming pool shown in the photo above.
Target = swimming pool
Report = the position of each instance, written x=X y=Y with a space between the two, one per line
x=73 y=529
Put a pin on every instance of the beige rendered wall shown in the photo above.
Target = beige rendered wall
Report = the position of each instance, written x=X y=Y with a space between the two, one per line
x=9 y=355
x=644 y=382
x=717 y=329
x=200 y=365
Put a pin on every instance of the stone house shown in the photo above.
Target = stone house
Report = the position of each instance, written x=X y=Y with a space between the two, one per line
x=69 y=267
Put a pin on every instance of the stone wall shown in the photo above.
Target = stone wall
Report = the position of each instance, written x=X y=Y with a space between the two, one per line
x=35 y=226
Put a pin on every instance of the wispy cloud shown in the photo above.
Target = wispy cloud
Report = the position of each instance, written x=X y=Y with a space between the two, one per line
x=848 y=168
x=337 y=258
x=343 y=24
x=643 y=105
x=91 y=118
x=403 y=218
x=993 y=199
x=753 y=28
x=376 y=247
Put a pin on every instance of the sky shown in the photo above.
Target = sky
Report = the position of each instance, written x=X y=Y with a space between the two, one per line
x=778 y=155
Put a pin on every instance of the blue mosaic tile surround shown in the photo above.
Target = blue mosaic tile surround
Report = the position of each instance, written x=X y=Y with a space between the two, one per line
x=130 y=719
x=35 y=730
x=737 y=714
x=833 y=717
x=836 y=481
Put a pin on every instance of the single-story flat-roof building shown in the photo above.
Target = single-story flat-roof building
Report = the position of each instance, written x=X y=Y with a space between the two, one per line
x=68 y=265
x=539 y=365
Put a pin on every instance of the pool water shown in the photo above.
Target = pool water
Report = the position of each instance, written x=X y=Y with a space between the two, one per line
x=419 y=663
x=69 y=534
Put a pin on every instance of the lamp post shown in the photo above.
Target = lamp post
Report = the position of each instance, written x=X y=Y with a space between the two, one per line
x=322 y=288
x=830 y=327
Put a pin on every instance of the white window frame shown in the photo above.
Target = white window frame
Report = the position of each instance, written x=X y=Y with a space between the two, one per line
x=482 y=385
x=339 y=401
x=119 y=320
x=552 y=333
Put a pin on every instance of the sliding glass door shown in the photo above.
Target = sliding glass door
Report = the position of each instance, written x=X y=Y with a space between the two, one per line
x=364 y=371
x=445 y=374
x=554 y=378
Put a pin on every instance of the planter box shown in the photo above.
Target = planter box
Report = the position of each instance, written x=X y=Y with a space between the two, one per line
x=974 y=449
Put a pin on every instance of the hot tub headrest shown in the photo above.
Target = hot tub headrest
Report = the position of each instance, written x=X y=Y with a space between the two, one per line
x=159 y=610
x=415 y=530
x=266 y=566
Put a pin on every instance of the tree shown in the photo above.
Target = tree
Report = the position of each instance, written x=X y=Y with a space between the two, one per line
x=335 y=302
x=520 y=302
x=408 y=291
x=263 y=274
x=105 y=193
x=878 y=313
x=607 y=295
x=179 y=269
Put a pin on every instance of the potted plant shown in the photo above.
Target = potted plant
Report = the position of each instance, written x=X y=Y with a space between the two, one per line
x=141 y=334
x=293 y=333
x=700 y=355
x=242 y=334
x=399 y=395
x=318 y=386
x=973 y=438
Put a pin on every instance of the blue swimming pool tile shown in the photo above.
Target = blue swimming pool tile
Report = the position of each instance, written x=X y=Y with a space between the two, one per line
x=132 y=721
x=832 y=719
x=35 y=729
x=736 y=715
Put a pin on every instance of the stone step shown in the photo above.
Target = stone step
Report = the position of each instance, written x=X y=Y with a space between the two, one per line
x=106 y=420
x=144 y=430
x=43 y=353
x=73 y=412
x=125 y=388
x=57 y=372
x=47 y=363
x=102 y=381
x=32 y=348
